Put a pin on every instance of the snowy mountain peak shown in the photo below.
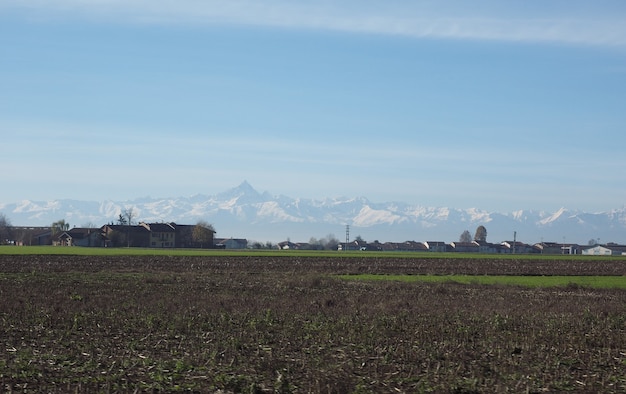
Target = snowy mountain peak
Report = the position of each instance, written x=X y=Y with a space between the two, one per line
x=561 y=213
x=244 y=193
x=246 y=188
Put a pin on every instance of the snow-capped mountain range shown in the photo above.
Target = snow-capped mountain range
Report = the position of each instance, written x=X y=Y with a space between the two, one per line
x=242 y=212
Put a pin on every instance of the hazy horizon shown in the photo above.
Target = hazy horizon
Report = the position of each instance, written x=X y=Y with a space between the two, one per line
x=244 y=212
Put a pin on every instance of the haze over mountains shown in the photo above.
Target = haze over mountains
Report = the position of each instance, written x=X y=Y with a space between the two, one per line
x=243 y=212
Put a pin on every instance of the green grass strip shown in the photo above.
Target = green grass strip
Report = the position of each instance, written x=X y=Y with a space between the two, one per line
x=597 y=282
x=85 y=251
x=96 y=251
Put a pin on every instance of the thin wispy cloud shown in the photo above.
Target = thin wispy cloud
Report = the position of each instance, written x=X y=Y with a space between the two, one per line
x=565 y=23
x=425 y=101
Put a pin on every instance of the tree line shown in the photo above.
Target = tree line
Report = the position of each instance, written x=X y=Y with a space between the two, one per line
x=479 y=236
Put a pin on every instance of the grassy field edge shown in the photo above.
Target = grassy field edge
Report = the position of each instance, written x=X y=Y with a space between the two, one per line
x=592 y=281
x=84 y=251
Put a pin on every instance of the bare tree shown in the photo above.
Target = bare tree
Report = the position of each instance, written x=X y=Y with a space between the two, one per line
x=128 y=214
x=5 y=229
x=126 y=218
x=203 y=233
x=481 y=234
x=60 y=226
x=465 y=237
x=330 y=241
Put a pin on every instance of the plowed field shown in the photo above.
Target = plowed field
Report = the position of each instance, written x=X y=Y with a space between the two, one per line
x=287 y=324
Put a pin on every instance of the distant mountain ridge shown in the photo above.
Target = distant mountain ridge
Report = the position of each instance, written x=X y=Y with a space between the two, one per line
x=243 y=212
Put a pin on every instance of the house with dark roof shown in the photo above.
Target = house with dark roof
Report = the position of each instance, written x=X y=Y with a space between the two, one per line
x=488 y=247
x=231 y=243
x=157 y=235
x=119 y=235
x=185 y=237
x=549 y=248
x=30 y=235
x=374 y=246
x=357 y=244
x=287 y=245
x=465 y=247
x=81 y=236
x=517 y=247
x=436 y=246
x=161 y=235
x=407 y=246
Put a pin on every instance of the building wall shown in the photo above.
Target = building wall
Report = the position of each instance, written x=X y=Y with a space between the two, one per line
x=162 y=239
x=597 y=251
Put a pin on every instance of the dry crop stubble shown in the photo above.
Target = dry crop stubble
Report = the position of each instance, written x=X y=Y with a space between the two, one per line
x=255 y=324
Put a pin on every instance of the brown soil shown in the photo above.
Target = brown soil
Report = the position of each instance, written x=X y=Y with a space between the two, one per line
x=283 y=324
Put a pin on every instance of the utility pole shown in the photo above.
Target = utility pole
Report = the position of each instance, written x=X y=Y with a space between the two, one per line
x=347 y=236
x=514 y=240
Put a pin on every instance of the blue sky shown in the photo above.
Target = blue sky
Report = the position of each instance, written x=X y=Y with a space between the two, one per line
x=489 y=104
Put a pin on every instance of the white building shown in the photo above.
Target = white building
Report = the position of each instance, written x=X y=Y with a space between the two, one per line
x=599 y=250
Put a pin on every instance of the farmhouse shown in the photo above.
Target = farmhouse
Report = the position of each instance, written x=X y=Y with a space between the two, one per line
x=517 y=247
x=549 y=247
x=286 y=245
x=28 y=235
x=161 y=235
x=231 y=243
x=157 y=235
x=407 y=246
x=80 y=236
x=465 y=247
x=118 y=235
x=436 y=246
x=357 y=244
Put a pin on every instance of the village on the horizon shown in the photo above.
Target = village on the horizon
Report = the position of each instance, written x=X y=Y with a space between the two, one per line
x=267 y=220
x=202 y=235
